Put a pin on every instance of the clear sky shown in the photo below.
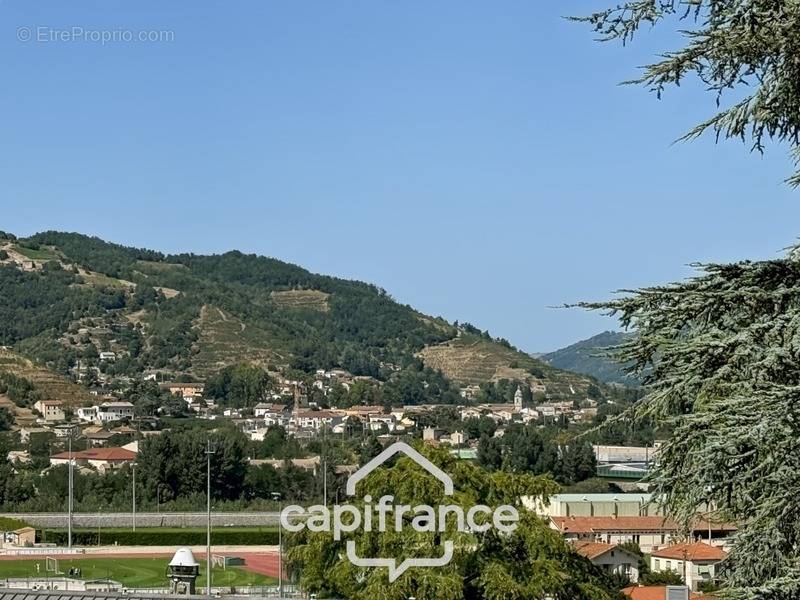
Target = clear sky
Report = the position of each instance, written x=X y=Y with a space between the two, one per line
x=476 y=159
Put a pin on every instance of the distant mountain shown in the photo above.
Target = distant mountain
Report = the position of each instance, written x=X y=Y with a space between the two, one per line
x=587 y=357
x=109 y=314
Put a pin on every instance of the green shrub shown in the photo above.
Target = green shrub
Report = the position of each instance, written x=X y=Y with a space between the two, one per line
x=160 y=536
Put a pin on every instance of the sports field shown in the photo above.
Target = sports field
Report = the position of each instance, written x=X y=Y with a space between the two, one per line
x=131 y=572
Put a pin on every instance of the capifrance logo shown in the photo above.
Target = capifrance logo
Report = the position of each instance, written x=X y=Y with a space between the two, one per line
x=384 y=515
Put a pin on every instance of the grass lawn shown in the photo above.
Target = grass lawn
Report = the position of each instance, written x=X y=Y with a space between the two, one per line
x=132 y=572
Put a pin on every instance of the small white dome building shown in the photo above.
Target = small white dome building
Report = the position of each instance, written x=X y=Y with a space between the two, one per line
x=183 y=570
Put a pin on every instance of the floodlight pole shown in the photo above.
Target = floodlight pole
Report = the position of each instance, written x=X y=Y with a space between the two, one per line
x=69 y=499
x=133 y=513
x=209 y=452
x=279 y=497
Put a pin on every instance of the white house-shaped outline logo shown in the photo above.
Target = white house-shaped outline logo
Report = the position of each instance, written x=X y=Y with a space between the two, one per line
x=396 y=570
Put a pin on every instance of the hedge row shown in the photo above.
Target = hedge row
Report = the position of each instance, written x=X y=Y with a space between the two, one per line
x=155 y=536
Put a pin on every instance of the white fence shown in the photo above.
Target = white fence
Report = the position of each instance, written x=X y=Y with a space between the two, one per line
x=43 y=551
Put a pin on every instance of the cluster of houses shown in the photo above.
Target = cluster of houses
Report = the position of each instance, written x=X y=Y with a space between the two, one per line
x=306 y=421
x=601 y=526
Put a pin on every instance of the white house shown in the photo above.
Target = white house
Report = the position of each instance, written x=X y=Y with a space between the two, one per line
x=377 y=422
x=65 y=430
x=611 y=558
x=696 y=562
x=648 y=532
x=314 y=419
x=262 y=408
x=89 y=414
x=114 y=411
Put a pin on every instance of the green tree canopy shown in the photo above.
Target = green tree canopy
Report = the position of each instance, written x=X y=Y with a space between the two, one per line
x=240 y=385
x=532 y=562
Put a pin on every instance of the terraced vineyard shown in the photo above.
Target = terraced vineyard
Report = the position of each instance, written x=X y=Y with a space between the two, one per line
x=308 y=299
x=51 y=385
x=224 y=340
x=471 y=360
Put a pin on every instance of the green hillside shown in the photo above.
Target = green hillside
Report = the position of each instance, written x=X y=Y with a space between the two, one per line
x=590 y=358
x=67 y=297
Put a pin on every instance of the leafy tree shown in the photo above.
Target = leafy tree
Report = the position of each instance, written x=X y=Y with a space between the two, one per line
x=6 y=419
x=720 y=358
x=241 y=385
x=490 y=453
x=747 y=48
x=577 y=462
x=531 y=562
x=277 y=444
x=668 y=577
x=262 y=481
x=177 y=460
x=370 y=449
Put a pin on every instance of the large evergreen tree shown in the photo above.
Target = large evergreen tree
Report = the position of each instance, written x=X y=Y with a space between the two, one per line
x=720 y=354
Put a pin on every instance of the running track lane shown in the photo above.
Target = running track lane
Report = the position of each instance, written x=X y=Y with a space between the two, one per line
x=263 y=563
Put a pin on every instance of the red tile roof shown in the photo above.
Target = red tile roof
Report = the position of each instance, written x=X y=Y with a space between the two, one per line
x=106 y=454
x=592 y=550
x=694 y=551
x=651 y=592
x=600 y=524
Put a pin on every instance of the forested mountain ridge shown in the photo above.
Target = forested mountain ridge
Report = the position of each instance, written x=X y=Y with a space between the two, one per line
x=65 y=298
x=590 y=357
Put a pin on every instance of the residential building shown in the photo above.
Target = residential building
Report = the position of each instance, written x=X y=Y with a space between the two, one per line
x=262 y=409
x=307 y=464
x=183 y=389
x=611 y=558
x=660 y=592
x=24 y=537
x=65 y=430
x=432 y=434
x=379 y=422
x=114 y=411
x=314 y=419
x=19 y=456
x=51 y=410
x=647 y=532
x=594 y=505
x=102 y=459
x=98 y=438
x=25 y=433
x=88 y=414
x=696 y=562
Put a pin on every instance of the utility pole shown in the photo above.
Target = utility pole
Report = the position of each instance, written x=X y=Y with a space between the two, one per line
x=209 y=452
x=133 y=513
x=69 y=499
x=325 y=482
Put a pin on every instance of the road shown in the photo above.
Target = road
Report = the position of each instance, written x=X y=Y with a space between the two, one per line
x=148 y=519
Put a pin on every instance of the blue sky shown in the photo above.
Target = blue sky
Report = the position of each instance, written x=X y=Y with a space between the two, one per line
x=477 y=160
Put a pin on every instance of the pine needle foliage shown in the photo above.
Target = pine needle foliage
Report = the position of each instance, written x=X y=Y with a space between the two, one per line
x=720 y=357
